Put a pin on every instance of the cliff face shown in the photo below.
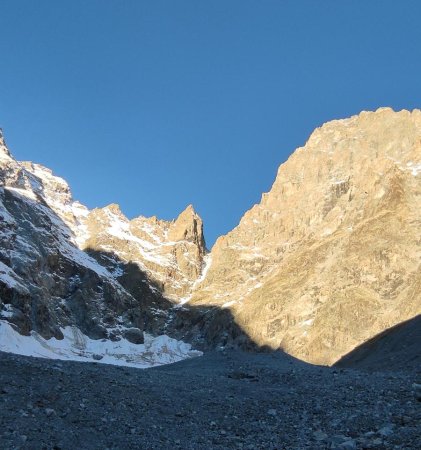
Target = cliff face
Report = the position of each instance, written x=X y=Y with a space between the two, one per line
x=169 y=253
x=331 y=255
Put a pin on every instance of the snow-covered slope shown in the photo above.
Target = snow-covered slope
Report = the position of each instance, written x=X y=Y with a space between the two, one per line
x=76 y=346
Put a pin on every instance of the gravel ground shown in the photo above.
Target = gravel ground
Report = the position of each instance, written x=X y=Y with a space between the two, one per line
x=222 y=400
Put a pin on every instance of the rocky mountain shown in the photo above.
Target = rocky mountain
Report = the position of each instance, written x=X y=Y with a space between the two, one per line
x=51 y=287
x=331 y=255
x=44 y=277
x=327 y=260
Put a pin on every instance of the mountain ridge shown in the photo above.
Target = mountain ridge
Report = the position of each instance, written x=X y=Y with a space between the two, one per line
x=326 y=260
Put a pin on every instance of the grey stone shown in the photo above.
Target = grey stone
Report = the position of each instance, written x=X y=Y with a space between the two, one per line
x=50 y=412
x=134 y=335
x=351 y=444
x=319 y=435
x=417 y=390
x=386 y=430
x=338 y=439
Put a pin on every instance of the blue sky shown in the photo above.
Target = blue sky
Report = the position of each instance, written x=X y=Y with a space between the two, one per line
x=158 y=104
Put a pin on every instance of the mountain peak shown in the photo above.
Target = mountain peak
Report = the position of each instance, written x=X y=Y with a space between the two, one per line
x=114 y=208
x=328 y=258
x=188 y=226
x=188 y=211
x=4 y=151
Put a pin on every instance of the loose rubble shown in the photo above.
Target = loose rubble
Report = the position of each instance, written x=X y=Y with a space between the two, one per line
x=277 y=403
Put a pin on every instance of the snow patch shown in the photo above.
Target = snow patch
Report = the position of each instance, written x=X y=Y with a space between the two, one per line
x=77 y=347
x=23 y=193
x=327 y=232
x=7 y=312
x=228 y=304
x=415 y=168
x=207 y=260
x=307 y=322
x=119 y=227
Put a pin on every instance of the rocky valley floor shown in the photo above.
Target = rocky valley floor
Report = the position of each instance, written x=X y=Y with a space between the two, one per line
x=225 y=400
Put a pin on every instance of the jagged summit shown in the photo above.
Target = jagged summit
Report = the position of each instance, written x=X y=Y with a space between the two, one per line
x=188 y=210
x=188 y=226
x=169 y=253
x=114 y=208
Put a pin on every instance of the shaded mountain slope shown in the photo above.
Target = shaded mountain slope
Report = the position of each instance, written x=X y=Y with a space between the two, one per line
x=398 y=348
x=46 y=282
x=51 y=288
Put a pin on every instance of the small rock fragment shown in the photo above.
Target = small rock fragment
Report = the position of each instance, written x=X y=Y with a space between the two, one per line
x=348 y=445
x=386 y=430
x=49 y=412
x=319 y=435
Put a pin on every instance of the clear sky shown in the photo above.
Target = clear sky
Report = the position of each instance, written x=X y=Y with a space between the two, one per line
x=158 y=104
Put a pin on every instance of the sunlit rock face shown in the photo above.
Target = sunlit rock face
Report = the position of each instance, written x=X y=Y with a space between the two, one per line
x=169 y=253
x=331 y=255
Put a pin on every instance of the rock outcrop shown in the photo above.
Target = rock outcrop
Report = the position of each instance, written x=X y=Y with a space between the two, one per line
x=331 y=255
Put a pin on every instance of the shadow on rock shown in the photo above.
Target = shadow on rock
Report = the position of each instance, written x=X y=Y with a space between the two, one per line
x=397 y=348
x=205 y=327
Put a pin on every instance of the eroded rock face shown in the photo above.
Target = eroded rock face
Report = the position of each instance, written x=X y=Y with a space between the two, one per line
x=169 y=253
x=331 y=255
